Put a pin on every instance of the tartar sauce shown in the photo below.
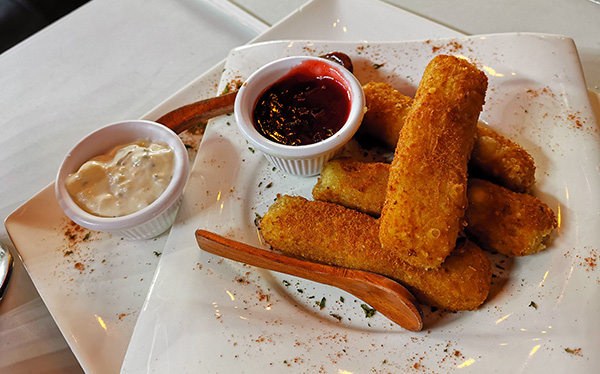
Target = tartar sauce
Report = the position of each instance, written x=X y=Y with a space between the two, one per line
x=127 y=179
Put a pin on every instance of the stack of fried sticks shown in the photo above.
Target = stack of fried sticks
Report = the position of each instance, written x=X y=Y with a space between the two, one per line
x=423 y=218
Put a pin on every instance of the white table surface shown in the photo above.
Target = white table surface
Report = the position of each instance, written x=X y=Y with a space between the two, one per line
x=113 y=60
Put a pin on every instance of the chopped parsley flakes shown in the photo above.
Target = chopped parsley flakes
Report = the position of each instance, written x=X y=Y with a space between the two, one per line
x=369 y=312
x=321 y=303
x=533 y=305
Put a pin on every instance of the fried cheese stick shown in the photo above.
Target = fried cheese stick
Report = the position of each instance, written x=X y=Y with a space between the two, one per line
x=494 y=157
x=507 y=222
x=498 y=219
x=331 y=234
x=427 y=188
x=502 y=161
x=386 y=112
x=356 y=185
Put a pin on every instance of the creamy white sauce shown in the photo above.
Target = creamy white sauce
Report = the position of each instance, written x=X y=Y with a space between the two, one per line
x=125 y=180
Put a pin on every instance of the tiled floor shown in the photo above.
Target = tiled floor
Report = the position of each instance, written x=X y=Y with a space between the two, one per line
x=20 y=19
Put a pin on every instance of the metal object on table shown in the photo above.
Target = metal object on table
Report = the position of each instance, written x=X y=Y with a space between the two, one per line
x=6 y=264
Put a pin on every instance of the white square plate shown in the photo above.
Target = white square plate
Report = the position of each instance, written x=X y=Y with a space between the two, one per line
x=206 y=314
x=95 y=288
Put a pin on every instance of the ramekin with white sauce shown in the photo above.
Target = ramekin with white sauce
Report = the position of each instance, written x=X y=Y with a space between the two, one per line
x=126 y=178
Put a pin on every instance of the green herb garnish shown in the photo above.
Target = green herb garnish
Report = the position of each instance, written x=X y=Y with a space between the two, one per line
x=321 y=303
x=369 y=312
x=533 y=305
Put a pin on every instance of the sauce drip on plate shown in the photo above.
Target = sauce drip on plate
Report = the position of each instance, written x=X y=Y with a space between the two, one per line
x=306 y=106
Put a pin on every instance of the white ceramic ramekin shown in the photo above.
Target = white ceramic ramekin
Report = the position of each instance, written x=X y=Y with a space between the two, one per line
x=148 y=222
x=302 y=160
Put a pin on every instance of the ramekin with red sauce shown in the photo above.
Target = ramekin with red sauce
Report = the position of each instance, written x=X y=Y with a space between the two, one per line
x=299 y=112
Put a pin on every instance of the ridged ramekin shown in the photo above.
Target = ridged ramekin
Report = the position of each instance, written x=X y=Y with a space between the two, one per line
x=148 y=222
x=302 y=160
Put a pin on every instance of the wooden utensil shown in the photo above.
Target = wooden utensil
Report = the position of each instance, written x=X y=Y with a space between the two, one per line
x=187 y=116
x=383 y=294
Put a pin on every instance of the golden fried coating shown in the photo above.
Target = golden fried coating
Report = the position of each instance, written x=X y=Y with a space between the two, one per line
x=331 y=234
x=386 y=112
x=507 y=222
x=502 y=161
x=427 y=188
x=498 y=219
x=494 y=157
x=343 y=181
x=353 y=184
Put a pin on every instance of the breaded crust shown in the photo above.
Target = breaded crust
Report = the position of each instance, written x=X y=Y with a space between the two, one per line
x=498 y=219
x=502 y=161
x=507 y=222
x=494 y=157
x=334 y=235
x=386 y=112
x=427 y=188
x=353 y=184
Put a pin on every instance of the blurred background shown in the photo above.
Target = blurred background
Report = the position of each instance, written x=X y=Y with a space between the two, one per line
x=20 y=19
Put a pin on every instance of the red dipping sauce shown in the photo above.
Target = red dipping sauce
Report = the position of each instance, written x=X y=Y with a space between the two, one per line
x=307 y=105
